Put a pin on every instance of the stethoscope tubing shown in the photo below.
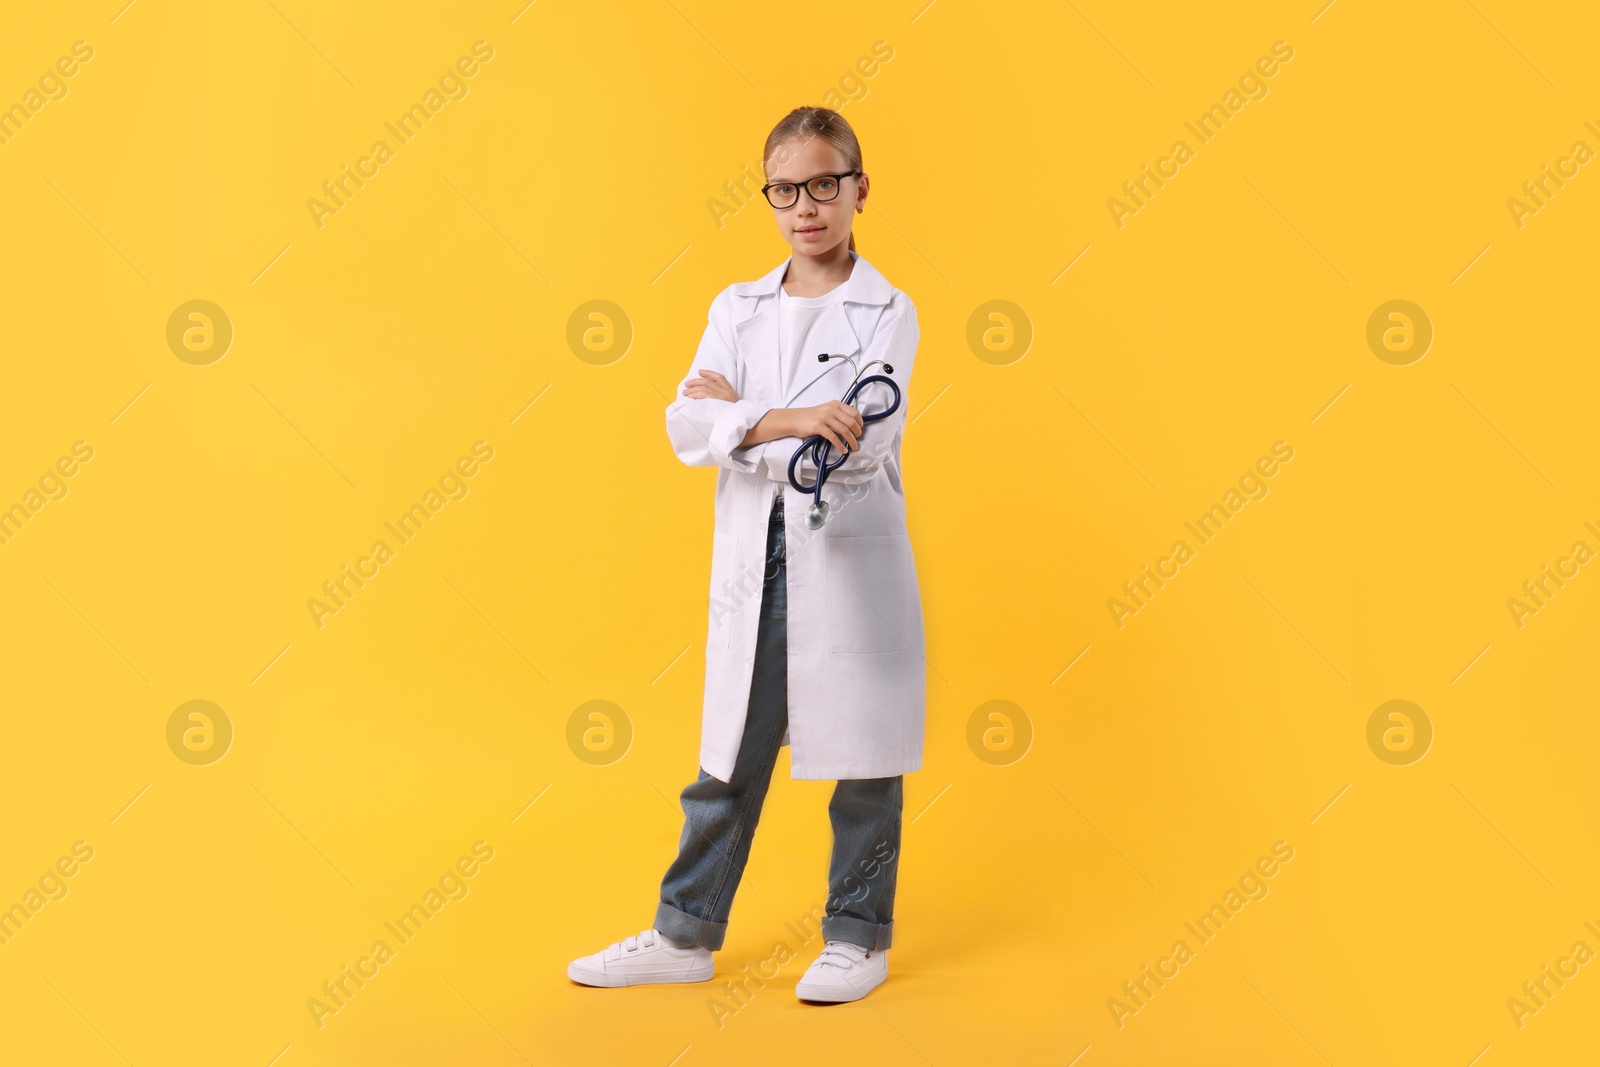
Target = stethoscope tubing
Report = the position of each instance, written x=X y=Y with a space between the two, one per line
x=820 y=446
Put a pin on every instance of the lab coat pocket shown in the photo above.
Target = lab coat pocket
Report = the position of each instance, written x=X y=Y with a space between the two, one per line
x=872 y=599
x=726 y=598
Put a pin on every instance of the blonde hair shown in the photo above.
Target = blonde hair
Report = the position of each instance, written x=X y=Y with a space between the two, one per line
x=808 y=122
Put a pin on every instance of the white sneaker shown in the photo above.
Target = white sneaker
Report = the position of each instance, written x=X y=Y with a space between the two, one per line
x=642 y=959
x=843 y=972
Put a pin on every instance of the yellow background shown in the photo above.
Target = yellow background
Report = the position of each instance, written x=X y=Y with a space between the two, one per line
x=432 y=311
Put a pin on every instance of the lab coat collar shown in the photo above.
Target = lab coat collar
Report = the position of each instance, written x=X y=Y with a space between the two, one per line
x=864 y=286
x=833 y=333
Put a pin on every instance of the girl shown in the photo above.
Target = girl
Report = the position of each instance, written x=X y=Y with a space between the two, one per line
x=827 y=659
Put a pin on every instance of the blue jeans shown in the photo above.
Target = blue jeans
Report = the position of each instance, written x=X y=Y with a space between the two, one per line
x=720 y=817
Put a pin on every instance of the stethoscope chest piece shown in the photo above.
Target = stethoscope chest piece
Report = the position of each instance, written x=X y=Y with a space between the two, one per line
x=816 y=515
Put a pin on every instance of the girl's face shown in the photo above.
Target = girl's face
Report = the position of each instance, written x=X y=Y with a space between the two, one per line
x=814 y=229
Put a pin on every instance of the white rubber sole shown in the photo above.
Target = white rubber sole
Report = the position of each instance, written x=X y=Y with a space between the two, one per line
x=834 y=994
x=701 y=972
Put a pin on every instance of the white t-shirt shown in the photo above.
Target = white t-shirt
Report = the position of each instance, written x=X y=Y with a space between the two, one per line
x=797 y=319
x=797 y=352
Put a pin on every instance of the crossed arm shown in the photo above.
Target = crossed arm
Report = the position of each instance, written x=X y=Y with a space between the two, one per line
x=836 y=421
x=709 y=424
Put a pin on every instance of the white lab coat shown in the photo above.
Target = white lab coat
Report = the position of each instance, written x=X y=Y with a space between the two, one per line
x=857 y=683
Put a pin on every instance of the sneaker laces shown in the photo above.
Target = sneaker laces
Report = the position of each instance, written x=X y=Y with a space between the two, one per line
x=841 y=954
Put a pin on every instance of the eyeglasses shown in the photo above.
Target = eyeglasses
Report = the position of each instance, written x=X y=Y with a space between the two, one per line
x=822 y=188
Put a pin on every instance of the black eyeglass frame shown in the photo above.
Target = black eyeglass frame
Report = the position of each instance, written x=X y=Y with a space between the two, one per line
x=838 y=178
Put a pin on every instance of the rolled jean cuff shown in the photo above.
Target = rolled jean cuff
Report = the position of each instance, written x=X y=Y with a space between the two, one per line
x=870 y=936
x=681 y=926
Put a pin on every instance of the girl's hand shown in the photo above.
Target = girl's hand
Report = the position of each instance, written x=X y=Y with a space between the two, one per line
x=710 y=384
x=838 y=423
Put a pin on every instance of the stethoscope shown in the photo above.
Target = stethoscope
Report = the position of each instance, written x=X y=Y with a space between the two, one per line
x=819 y=446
